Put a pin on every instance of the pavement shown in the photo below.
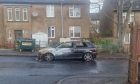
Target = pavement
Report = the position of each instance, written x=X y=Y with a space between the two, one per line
x=12 y=52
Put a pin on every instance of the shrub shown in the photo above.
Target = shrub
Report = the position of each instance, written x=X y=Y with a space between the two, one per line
x=106 y=45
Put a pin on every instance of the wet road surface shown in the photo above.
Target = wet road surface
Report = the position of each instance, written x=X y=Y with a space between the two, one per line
x=25 y=70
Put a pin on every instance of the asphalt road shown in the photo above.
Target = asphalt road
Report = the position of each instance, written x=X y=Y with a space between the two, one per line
x=25 y=70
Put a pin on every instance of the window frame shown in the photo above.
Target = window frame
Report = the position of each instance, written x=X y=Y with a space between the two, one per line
x=80 y=45
x=72 y=28
x=9 y=10
x=127 y=38
x=17 y=10
x=131 y=15
x=25 y=10
x=73 y=8
x=50 y=11
x=52 y=28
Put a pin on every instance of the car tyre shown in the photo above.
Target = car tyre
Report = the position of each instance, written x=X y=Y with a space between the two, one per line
x=49 y=57
x=88 y=57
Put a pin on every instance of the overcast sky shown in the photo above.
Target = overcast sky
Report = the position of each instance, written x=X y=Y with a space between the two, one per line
x=96 y=1
x=94 y=8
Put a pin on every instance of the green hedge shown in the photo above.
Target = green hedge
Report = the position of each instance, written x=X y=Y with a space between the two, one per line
x=106 y=45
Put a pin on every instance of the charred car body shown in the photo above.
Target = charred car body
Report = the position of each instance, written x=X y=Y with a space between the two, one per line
x=69 y=50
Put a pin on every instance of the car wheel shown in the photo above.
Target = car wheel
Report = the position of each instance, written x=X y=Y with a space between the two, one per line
x=88 y=57
x=49 y=57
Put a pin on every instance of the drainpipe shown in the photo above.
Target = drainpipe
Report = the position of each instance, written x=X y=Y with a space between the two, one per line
x=30 y=18
x=3 y=32
x=62 y=20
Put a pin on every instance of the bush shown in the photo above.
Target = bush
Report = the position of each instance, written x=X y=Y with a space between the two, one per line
x=106 y=45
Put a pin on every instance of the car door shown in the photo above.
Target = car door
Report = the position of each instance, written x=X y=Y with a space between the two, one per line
x=79 y=49
x=64 y=50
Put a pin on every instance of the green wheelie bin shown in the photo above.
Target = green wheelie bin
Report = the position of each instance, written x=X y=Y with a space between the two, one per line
x=25 y=44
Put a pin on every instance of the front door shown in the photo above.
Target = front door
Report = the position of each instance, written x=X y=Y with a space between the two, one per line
x=18 y=34
x=79 y=49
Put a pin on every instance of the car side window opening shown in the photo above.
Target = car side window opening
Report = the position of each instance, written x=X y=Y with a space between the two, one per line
x=89 y=44
x=65 y=45
x=80 y=44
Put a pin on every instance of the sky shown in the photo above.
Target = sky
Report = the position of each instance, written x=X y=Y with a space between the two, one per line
x=95 y=8
x=96 y=0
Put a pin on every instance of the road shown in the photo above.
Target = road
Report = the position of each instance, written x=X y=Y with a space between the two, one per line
x=25 y=70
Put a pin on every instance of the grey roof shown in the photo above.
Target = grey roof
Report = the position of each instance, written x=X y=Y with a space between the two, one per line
x=44 y=1
x=136 y=5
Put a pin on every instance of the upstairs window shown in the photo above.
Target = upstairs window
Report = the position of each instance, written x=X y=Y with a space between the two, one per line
x=9 y=14
x=51 y=32
x=25 y=14
x=50 y=11
x=74 y=11
x=17 y=14
x=131 y=17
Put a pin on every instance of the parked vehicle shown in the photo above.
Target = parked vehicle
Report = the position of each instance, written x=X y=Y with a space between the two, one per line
x=69 y=50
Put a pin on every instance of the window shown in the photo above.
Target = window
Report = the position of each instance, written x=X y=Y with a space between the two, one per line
x=51 y=32
x=80 y=44
x=9 y=14
x=90 y=45
x=25 y=14
x=50 y=11
x=127 y=38
x=18 y=34
x=131 y=17
x=17 y=14
x=74 y=11
x=65 y=45
x=75 y=32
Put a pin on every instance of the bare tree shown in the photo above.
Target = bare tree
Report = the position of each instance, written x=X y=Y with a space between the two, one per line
x=129 y=11
x=120 y=23
x=122 y=26
x=95 y=11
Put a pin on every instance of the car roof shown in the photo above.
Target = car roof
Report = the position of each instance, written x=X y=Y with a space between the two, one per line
x=76 y=41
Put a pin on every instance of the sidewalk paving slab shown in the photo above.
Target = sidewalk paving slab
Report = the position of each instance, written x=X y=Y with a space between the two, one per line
x=11 y=52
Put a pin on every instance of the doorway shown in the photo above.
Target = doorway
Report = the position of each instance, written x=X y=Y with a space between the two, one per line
x=18 y=34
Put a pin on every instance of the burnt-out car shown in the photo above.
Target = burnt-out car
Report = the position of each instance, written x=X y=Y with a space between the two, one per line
x=69 y=50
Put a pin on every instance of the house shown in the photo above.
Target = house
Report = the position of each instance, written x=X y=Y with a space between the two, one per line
x=134 y=18
x=55 y=18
